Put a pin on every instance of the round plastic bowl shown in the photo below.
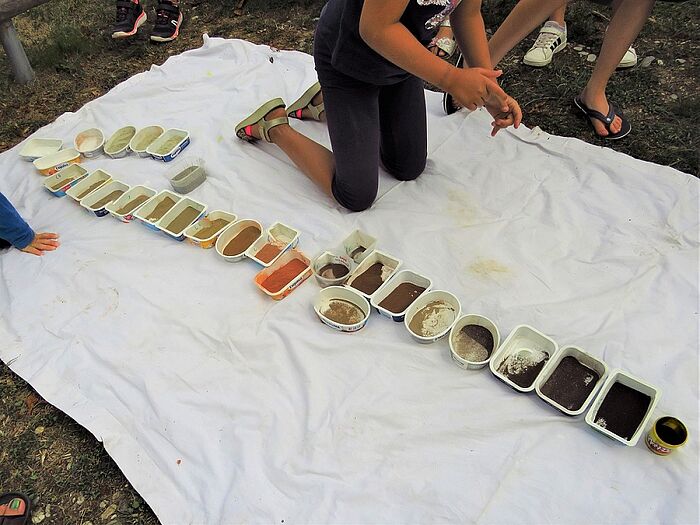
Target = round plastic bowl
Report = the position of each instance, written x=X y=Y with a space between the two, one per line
x=424 y=300
x=345 y=294
x=478 y=320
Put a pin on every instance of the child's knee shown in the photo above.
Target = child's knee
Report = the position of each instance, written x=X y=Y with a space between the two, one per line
x=405 y=169
x=356 y=197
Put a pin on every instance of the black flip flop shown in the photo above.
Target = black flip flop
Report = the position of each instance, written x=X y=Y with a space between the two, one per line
x=606 y=119
x=14 y=501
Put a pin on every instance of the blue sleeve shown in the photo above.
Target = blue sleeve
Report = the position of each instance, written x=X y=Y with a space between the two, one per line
x=13 y=228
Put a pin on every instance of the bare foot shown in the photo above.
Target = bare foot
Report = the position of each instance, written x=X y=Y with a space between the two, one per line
x=275 y=113
x=600 y=103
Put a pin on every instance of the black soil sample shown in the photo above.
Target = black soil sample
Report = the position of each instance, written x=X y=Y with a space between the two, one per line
x=473 y=343
x=671 y=431
x=523 y=368
x=369 y=280
x=571 y=383
x=357 y=251
x=622 y=410
x=333 y=271
x=401 y=297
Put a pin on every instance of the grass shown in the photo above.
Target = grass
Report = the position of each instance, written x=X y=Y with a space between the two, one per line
x=63 y=468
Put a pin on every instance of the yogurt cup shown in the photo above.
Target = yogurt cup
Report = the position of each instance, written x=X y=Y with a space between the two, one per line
x=375 y=257
x=89 y=142
x=135 y=192
x=117 y=146
x=91 y=202
x=293 y=284
x=161 y=149
x=61 y=181
x=344 y=294
x=53 y=162
x=150 y=205
x=359 y=239
x=478 y=320
x=404 y=276
x=36 y=148
x=209 y=242
x=331 y=258
x=424 y=300
x=164 y=223
x=230 y=232
x=144 y=138
x=279 y=234
x=97 y=176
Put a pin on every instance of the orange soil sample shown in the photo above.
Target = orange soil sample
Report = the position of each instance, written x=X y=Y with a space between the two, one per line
x=268 y=252
x=282 y=277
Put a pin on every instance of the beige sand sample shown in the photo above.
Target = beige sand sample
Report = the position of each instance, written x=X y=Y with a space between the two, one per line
x=212 y=228
x=119 y=140
x=473 y=343
x=169 y=144
x=433 y=319
x=91 y=188
x=161 y=209
x=145 y=137
x=184 y=173
x=242 y=241
x=343 y=312
x=62 y=183
x=183 y=219
x=133 y=204
x=89 y=143
x=104 y=201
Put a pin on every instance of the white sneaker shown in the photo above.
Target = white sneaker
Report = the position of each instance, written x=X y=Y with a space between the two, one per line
x=550 y=40
x=629 y=60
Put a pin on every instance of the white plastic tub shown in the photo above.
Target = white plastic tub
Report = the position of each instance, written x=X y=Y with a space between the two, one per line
x=36 y=148
x=186 y=174
x=331 y=258
x=523 y=340
x=161 y=148
x=478 y=320
x=135 y=192
x=631 y=381
x=97 y=179
x=164 y=223
x=230 y=232
x=585 y=359
x=424 y=300
x=144 y=138
x=293 y=283
x=90 y=202
x=404 y=276
x=117 y=146
x=53 y=162
x=204 y=222
x=151 y=204
x=359 y=239
x=375 y=257
x=343 y=293
x=279 y=234
x=89 y=142
x=61 y=181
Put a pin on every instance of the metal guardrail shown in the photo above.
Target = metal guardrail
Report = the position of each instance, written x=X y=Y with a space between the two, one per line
x=21 y=68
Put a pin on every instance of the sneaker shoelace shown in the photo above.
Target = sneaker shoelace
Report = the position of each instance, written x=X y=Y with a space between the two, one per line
x=545 y=40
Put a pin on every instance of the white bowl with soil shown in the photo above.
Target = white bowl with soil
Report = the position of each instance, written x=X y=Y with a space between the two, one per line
x=237 y=238
x=117 y=146
x=623 y=407
x=144 y=138
x=98 y=199
x=155 y=208
x=358 y=245
x=125 y=206
x=570 y=380
x=89 y=142
x=331 y=269
x=473 y=341
x=180 y=217
x=342 y=308
x=376 y=269
x=522 y=357
x=395 y=296
x=89 y=184
x=432 y=315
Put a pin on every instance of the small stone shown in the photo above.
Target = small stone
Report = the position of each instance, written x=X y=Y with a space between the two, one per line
x=38 y=516
x=47 y=511
x=646 y=61
x=108 y=512
x=591 y=57
x=578 y=48
x=103 y=504
x=39 y=430
x=80 y=499
x=680 y=60
x=87 y=523
x=660 y=62
x=674 y=97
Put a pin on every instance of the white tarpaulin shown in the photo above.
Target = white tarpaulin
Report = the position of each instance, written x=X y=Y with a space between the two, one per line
x=223 y=406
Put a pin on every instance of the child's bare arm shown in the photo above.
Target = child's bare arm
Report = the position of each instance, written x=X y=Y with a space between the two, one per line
x=470 y=33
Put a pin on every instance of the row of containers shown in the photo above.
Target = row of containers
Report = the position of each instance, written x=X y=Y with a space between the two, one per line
x=49 y=156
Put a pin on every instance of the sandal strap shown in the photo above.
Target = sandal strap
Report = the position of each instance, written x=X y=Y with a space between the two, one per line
x=267 y=125
x=605 y=119
x=316 y=110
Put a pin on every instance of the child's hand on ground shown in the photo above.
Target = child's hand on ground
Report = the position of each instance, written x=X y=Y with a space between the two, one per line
x=475 y=87
x=43 y=242
x=502 y=119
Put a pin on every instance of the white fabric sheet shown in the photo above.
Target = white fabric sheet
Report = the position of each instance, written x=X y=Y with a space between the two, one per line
x=222 y=406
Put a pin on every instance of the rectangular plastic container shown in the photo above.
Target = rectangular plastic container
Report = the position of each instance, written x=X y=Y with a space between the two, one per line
x=143 y=138
x=135 y=192
x=293 y=284
x=585 y=359
x=96 y=176
x=280 y=234
x=157 y=148
x=209 y=242
x=626 y=379
x=187 y=174
x=67 y=178
x=356 y=239
x=375 y=257
x=151 y=204
x=184 y=203
x=53 y=162
x=404 y=276
x=36 y=148
x=522 y=338
x=90 y=202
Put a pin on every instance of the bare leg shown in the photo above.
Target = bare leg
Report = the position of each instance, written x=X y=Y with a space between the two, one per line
x=558 y=15
x=628 y=18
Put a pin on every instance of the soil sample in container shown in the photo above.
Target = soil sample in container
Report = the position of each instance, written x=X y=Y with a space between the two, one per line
x=91 y=188
x=214 y=227
x=473 y=343
x=434 y=318
x=242 y=241
x=333 y=271
x=523 y=367
x=161 y=209
x=571 y=383
x=343 y=312
x=170 y=144
x=357 y=251
x=268 y=252
x=183 y=220
x=622 y=410
x=184 y=173
x=104 y=201
x=401 y=297
x=132 y=204
x=284 y=275
x=372 y=278
x=62 y=183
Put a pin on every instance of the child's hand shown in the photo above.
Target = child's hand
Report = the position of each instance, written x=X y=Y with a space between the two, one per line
x=502 y=119
x=475 y=87
x=43 y=242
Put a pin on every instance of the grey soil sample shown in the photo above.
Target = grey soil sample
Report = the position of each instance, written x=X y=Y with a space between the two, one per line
x=473 y=343
x=91 y=188
x=522 y=368
x=369 y=280
x=170 y=144
x=183 y=219
x=433 y=319
x=242 y=241
x=104 y=201
x=622 y=410
x=401 y=297
x=357 y=251
x=132 y=204
x=343 y=312
x=571 y=383
x=214 y=226
x=62 y=183
x=184 y=173
x=333 y=271
x=161 y=209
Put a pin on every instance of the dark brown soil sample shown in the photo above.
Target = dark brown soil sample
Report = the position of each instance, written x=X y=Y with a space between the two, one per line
x=357 y=251
x=343 y=312
x=622 y=410
x=522 y=368
x=369 y=280
x=571 y=383
x=333 y=271
x=214 y=226
x=132 y=204
x=183 y=219
x=473 y=343
x=268 y=252
x=671 y=431
x=401 y=297
x=104 y=201
x=161 y=209
x=242 y=241
x=62 y=183
x=91 y=188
